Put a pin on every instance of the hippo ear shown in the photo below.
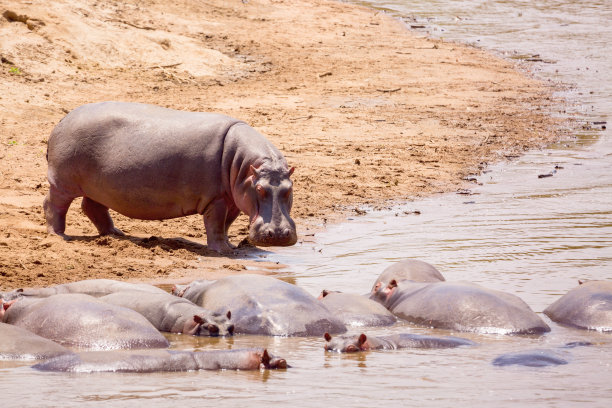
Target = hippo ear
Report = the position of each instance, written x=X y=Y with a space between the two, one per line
x=265 y=359
x=291 y=170
x=253 y=171
x=229 y=315
x=324 y=293
x=198 y=319
x=392 y=284
x=580 y=282
x=327 y=337
x=362 y=339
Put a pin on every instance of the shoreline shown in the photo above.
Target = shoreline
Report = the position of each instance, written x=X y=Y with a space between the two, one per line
x=367 y=112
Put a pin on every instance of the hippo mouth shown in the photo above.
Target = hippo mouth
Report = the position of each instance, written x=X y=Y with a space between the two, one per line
x=266 y=234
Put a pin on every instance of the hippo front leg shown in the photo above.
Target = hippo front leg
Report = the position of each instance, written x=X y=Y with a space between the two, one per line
x=216 y=216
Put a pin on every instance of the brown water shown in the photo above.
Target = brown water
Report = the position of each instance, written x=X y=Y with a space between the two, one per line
x=534 y=237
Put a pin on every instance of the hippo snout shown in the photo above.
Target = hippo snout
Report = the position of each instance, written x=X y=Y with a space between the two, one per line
x=269 y=235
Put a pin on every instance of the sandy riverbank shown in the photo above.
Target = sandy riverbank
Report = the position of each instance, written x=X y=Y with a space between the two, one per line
x=366 y=111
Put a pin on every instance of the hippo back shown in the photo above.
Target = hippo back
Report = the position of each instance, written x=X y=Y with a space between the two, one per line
x=357 y=310
x=84 y=321
x=588 y=306
x=20 y=344
x=264 y=305
x=468 y=307
x=92 y=287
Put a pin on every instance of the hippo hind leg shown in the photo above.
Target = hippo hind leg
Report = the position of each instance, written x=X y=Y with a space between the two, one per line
x=56 y=206
x=98 y=214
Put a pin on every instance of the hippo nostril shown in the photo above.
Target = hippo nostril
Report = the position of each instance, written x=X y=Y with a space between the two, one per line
x=230 y=329
x=212 y=329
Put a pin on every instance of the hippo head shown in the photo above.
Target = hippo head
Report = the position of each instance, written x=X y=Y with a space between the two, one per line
x=346 y=344
x=214 y=325
x=270 y=362
x=384 y=294
x=4 y=305
x=268 y=201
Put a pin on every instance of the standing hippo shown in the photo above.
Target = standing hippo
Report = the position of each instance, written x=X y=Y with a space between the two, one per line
x=92 y=287
x=264 y=305
x=356 y=310
x=588 y=306
x=153 y=163
x=173 y=314
x=148 y=361
x=352 y=344
x=408 y=269
x=84 y=321
x=460 y=306
x=20 y=344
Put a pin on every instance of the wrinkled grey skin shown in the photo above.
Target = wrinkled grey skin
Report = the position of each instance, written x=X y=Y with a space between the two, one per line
x=356 y=310
x=84 y=321
x=355 y=343
x=20 y=344
x=531 y=358
x=92 y=287
x=588 y=306
x=264 y=305
x=153 y=163
x=408 y=269
x=461 y=306
x=173 y=314
x=148 y=361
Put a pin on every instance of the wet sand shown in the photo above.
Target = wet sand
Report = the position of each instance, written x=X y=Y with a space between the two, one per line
x=366 y=110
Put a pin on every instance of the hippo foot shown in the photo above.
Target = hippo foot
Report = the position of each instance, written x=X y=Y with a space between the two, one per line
x=223 y=248
x=112 y=231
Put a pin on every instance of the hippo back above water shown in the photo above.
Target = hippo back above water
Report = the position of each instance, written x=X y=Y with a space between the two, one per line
x=153 y=163
x=264 y=305
x=588 y=306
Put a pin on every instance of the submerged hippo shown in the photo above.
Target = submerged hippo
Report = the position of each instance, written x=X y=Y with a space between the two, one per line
x=147 y=361
x=20 y=344
x=408 y=269
x=461 y=306
x=352 y=344
x=531 y=358
x=356 y=310
x=92 y=287
x=588 y=306
x=264 y=305
x=84 y=321
x=173 y=314
x=153 y=163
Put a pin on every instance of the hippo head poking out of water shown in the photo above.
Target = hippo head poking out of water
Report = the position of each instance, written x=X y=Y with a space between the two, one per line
x=267 y=200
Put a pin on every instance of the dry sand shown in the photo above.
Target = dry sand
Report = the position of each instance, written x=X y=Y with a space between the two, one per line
x=366 y=110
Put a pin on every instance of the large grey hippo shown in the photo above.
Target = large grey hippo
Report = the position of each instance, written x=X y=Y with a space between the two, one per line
x=588 y=306
x=356 y=310
x=173 y=314
x=20 y=344
x=153 y=163
x=461 y=306
x=361 y=342
x=84 y=321
x=264 y=305
x=147 y=361
x=92 y=287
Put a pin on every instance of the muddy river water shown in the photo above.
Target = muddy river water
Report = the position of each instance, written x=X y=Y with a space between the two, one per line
x=517 y=232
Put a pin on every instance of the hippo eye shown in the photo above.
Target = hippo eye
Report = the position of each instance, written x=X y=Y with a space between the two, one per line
x=260 y=190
